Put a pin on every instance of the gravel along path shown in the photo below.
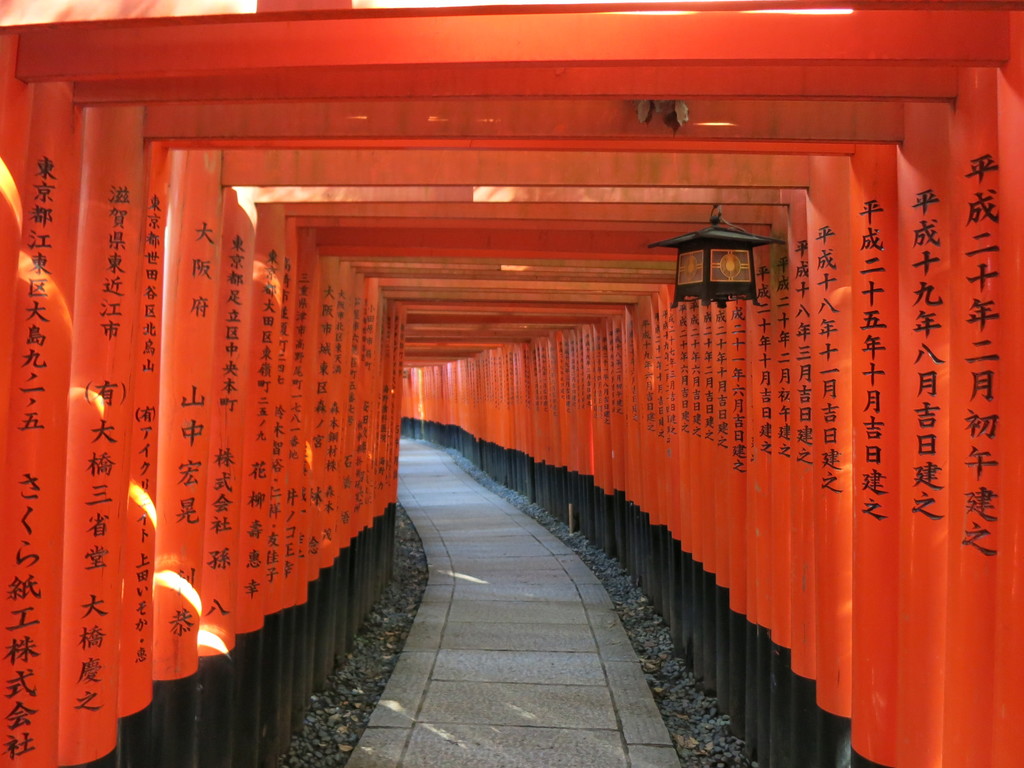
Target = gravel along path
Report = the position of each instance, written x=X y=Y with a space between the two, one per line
x=338 y=715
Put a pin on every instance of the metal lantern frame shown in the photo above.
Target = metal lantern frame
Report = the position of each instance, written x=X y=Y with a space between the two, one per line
x=715 y=264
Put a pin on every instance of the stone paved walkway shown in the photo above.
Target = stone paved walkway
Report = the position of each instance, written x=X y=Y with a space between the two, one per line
x=516 y=658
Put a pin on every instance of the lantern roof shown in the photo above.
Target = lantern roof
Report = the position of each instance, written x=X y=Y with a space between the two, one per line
x=725 y=235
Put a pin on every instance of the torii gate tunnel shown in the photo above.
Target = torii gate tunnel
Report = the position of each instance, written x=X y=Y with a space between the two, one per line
x=251 y=241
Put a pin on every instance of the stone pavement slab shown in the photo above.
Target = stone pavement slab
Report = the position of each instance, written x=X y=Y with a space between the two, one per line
x=516 y=658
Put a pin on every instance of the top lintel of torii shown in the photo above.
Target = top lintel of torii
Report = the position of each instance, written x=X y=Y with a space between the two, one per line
x=123 y=39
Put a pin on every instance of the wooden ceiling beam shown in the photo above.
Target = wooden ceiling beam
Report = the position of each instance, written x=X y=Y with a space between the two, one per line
x=126 y=50
x=563 y=119
x=419 y=167
x=878 y=81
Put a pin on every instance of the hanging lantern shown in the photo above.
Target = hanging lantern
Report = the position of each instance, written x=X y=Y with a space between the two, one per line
x=716 y=263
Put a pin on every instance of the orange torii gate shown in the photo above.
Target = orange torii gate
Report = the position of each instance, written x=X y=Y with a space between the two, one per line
x=228 y=268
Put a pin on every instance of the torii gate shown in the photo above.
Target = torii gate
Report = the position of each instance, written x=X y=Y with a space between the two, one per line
x=467 y=192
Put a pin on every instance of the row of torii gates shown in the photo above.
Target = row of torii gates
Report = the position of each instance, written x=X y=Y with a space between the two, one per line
x=252 y=242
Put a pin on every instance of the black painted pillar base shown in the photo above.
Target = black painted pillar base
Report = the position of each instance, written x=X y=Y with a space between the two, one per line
x=247 y=685
x=781 y=753
x=107 y=761
x=217 y=711
x=175 y=710
x=135 y=740
x=270 y=690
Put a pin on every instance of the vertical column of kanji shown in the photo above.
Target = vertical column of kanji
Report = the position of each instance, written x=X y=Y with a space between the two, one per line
x=140 y=525
x=517 y=395
x=828 y=221
x=713 y=321
x=667 y=488
x=37 y=428
x=602 y=394
x=563 y=362
x=383 y=432
x=269 y=240
x=555 y=407
x=684 y=456
x=397 y=316
x=262 y=289
x=695 y=496
x=723 y=428
x=736 y=496
x=366 y=439
x=344 y=362
x=645 y=382
x=486 y=415
x=977 y=454
x=186 y=405
x=657 y=407
x=515 y=380
x=579 y=438
x=501 y=422
x=671 y=367
x=222 y=555
x=337 y=463
x=326 y=406
x=796 y=441
x=285 y=444
x=584 y=394
x=759 y=482
x=612 y=342
x=381 y=426
x=757 y=432
x=704 y=511
x=549 y=428
x=512 y=431
x=543 y=427
x=1008 y=736
x=570 y=401
x=304 y=512
x=630 y=432
x=875 y=307
x=99 y=425
x=300 y=511
x=350 y=357
x=924 y=498
x=532 y=405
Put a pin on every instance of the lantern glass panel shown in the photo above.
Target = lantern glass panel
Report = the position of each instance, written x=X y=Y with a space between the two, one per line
x=690 y=268
x=730 y=265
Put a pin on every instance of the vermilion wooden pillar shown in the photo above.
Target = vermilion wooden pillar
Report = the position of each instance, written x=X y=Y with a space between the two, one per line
x=796 y=421
x=193 y=264
x=15 y=124
x=780 y=437
x=979 y=342
x=737 y=459
x=876 y=460
x=223 y=558
x=100 y=407
x=924 y=495
x=140 y=525
x=36 y=432
x=758 y=483
x=1008 y=686
x=831 y=413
